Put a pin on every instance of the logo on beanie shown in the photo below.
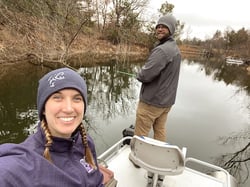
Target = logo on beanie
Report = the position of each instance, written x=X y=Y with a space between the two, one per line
x=54 y=78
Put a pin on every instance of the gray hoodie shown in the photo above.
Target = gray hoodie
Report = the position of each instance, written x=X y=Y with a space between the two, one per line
x=160 y=74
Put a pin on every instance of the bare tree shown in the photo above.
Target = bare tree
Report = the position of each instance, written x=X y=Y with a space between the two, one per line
x=45 y=27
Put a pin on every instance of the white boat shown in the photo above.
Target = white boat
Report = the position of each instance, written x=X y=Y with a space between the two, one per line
x=160 y=158
x=232 y=60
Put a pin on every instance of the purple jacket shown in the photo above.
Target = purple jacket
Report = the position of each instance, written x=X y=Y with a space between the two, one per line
x=22 y=165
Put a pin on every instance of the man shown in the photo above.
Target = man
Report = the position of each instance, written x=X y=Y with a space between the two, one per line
x=159 y=77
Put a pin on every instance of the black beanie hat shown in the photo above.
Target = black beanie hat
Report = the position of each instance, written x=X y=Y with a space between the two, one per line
x=57 y=80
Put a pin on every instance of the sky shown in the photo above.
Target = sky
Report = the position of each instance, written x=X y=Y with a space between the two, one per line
x=202 y=18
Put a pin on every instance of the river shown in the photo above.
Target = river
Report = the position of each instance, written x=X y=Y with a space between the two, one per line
x=211 y=116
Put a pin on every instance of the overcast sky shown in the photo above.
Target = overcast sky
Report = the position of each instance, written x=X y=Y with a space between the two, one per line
x=203 y=17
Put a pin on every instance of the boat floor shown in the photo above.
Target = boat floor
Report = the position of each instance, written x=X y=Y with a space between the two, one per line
x=128 y=175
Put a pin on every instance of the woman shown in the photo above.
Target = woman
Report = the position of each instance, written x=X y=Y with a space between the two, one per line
x=60 y=153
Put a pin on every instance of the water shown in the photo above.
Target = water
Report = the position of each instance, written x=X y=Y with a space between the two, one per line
x=211 y=116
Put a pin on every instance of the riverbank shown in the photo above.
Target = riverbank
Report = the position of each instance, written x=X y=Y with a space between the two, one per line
x=36 y=41
x=15 y=47
x=39 y=47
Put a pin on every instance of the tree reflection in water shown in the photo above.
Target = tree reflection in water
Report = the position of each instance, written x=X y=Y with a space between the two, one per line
x=237 y=163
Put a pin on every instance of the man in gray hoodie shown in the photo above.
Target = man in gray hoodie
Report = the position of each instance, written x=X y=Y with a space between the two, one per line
x=159 y=77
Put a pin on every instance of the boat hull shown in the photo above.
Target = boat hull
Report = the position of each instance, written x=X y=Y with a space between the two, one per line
x=117 y=160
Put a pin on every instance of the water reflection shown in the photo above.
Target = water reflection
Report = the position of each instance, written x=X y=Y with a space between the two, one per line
x=17 y=96
x=228 y=73
x=236 y=162
x=212 y=105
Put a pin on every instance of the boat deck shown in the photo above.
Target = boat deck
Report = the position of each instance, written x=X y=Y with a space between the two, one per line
x=128 y=175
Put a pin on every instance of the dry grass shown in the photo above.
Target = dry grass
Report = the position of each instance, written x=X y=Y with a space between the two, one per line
x=42 y=39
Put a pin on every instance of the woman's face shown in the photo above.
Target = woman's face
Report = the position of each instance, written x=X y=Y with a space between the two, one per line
x=64 y=111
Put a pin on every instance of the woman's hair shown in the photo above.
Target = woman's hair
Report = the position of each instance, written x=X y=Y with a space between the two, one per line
x=49 y=141
x=88 y=154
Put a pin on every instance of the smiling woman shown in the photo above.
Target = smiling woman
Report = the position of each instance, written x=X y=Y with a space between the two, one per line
x=64 y=112
x=61 y=150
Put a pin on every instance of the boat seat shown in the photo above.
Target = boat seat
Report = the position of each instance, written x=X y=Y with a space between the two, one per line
x=156 y=156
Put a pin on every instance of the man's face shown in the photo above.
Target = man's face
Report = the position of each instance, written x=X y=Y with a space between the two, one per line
x=162 y=32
